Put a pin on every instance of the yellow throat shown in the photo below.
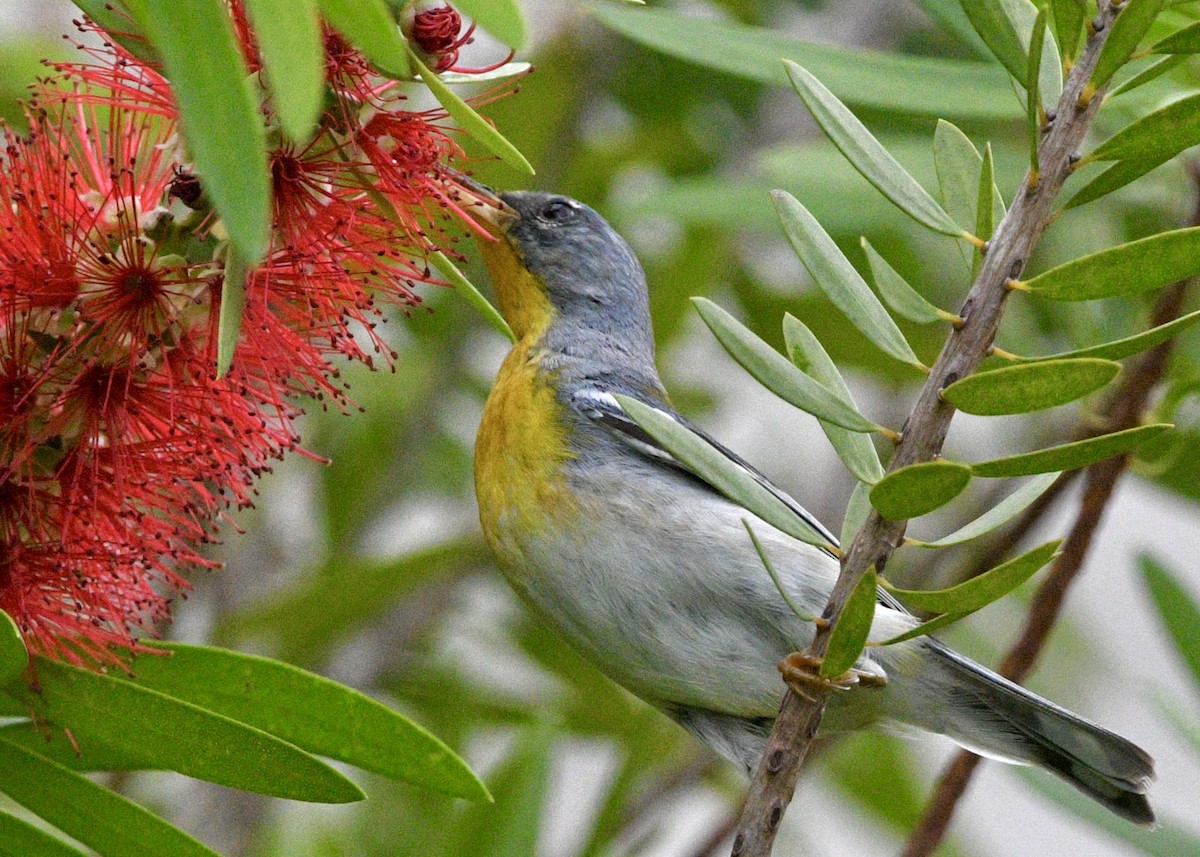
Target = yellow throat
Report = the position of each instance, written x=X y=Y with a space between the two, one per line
x=521 y=446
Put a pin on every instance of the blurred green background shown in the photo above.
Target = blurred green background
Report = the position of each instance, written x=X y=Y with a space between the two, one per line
x=372 y=569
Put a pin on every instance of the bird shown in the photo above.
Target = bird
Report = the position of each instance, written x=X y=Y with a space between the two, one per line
x=648 y=571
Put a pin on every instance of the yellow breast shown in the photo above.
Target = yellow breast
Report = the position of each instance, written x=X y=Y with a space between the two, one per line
x=519 y=456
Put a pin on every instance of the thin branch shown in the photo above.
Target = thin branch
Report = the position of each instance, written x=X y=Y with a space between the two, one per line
x=1124 y=410
x=775 y=779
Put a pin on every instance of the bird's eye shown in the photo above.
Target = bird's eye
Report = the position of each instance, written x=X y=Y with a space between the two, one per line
x=558 y=211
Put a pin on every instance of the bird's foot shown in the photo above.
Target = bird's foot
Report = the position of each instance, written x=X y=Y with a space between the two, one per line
x=802 y=673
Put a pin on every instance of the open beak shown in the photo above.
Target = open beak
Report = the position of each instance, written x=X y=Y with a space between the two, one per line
x=485 y=204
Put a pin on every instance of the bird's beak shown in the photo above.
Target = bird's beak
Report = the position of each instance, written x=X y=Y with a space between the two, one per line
x=485 y=205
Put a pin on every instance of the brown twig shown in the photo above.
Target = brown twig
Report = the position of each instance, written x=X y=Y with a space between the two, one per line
x=1124 y=411
x=924 y=433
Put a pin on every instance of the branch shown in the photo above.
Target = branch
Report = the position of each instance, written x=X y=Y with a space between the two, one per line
x=924 y=433
x=1123 y=411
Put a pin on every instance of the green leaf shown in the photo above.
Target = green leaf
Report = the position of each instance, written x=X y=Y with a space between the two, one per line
x=1156 y=137
x=1131 y=25
x=897 y=293
x=79 y=751
x=471 y=123
x=957 y=163
x=1177 y=608
x=993 y=21
x=120 y=28
x=984 y=208
x=1127 y=269
x=867 y=155
x=220 y=116
x=13 y=656
x=473 y=296
x=314 y=713
x=978 y=592
x=715 y=468
x=1114 y=178
x=837 y=278
x=857 y=510
x=509 y=69
x=501 y=18
x=1185 y=41
x=927 y=627
x=919 y=488
x=777 y=373
x=233 y=308
x=293 y=53
x=369 y=26
x=1068 y=25
x=1121 y=348
x=1027 y=387
x=1147 y=74
x=1033 y=102
x=1000 y=514
x=21 y=839
x=770 y=567
x=888 y=81
x=90 y=813
x=174 y=735
x=849 y=634
x=1069 y=456
x=854 y=448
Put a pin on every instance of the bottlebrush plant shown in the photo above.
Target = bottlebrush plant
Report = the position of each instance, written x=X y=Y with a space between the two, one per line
x=180 y=270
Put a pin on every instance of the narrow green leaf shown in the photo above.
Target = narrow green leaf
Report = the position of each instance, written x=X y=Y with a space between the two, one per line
x=1177 y=608
x=501 y=18
x=1121 y=348
x=735 y=482
x=1068 y=25
x=473 y=296
x=854 y=448
x=13 y=655
x=833 y=274
x=471 y=123
x=849 y=634
x=21 y=839
x=1114 y=178
x=119 y=27
x=984 y=209
x=867 y=155
x=314 y=713
x=956 y=162
x=220 y=115
x=889 y=81
x=79 y=751
x=775 y=578
x=369 y=26
x=776 y=372
x=919 y=488
x=511 y=827
x=1070 y=456
x=88 y=812
x=978 y=592
x=1000 y=514
x=1185 y=41
x=1157 y=136
x=896 y=291
x=1033 y=101
x=927 y=627
x=1147 y=74
x=993 y=22
x=857 y=510
x=289 y=37
x=1131 y=25
x=171 y=734
x=509 y=69
x=1127 y=269
x=233 y=308
x=1027 y=387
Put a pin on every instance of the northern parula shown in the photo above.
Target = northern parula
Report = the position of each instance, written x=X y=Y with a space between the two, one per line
x=649 y=572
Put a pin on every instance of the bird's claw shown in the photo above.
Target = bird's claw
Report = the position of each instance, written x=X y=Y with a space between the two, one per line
x=802 y=674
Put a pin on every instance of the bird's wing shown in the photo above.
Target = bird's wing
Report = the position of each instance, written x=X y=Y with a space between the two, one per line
x=602 y=408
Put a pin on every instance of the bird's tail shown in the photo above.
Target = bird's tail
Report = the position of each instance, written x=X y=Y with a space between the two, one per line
x=994 y=717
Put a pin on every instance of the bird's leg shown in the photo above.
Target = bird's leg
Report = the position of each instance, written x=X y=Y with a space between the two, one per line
x=802 y=673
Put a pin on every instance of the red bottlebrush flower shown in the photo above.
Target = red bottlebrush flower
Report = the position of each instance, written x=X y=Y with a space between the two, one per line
x=118 y=445
x=437 y=30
